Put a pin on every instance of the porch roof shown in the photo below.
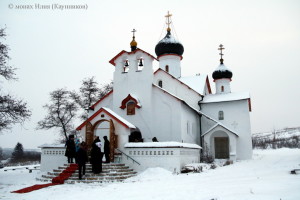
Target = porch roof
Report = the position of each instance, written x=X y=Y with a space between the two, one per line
x=112 y=114
x=221 y=125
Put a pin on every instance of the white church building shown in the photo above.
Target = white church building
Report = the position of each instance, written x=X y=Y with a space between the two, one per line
x=181 y=112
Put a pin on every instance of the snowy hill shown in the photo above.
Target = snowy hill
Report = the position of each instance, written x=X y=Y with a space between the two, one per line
x=267 y=176
x=288 y=137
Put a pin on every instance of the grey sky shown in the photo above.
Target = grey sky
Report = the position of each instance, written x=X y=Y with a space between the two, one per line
x=58 y=48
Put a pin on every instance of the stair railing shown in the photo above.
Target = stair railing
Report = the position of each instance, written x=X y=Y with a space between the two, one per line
x=128 y=156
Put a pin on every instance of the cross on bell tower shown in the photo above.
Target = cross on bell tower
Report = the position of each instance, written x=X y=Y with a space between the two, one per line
x=221 y=54
x=133 y=43
x=168 y=21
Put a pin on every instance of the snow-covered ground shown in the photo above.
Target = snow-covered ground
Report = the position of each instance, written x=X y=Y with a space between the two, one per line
x=267 y=177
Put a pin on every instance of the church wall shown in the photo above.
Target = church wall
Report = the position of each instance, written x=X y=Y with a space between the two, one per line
x=236 y=118
x=177 y=88
x=169 y=158
x=138 y=83
x=173 y=63
x=190 y=129
x=166 y=117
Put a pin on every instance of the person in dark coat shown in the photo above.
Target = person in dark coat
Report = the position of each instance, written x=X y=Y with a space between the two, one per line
x=82 y=158
x=70 y=149
x=96 y=156
x=106 y=149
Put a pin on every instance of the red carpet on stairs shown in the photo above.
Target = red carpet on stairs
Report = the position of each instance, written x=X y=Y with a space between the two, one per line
x=60 y=179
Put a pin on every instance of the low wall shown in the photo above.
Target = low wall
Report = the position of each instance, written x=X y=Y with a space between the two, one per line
x=170 y=156
x=52 y=156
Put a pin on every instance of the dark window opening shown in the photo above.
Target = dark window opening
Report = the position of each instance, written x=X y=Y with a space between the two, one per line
x=222 y=88
x=167 y=68
x=130 y=108
x=221 y=115
x=160 y=83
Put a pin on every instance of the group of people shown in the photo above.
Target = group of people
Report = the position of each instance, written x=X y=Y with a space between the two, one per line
x=79 y=151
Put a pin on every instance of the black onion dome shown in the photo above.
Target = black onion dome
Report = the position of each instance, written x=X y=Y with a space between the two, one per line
x=169 y=45
x=222 y=72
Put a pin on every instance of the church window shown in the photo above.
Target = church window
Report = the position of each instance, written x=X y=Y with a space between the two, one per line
x=221 y=115
x=188 y=127
x=222 y=88
x=167 y=68
x=131 y=108
x=160 y=83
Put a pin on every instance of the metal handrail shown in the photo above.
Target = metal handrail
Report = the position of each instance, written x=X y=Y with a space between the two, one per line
x=128 y=156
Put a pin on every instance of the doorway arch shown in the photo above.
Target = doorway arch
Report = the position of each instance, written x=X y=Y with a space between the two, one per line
x=221 y=144
x=101 y=128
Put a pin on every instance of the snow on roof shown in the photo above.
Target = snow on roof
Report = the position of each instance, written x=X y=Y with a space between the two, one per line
x=211 y=98
x=52 y=146
x=179 y=80
x=161 y=145
x=197 y=82
x=222 y=125
x=119 y=117
x=112 y=114
x=222 y=68
x=169 y=39
x=112 y=61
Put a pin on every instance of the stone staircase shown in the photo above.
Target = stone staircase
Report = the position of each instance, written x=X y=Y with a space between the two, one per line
x=111 y=172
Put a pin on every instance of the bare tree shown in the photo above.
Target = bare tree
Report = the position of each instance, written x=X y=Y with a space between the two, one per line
x=105 y=89
x=12 y=110
x=89 y=93
x=61 y=112
x=87 y=96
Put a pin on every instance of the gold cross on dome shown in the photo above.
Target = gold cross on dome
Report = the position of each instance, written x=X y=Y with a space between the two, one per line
x=168 y=18
x=133 y=31
x=221 y=48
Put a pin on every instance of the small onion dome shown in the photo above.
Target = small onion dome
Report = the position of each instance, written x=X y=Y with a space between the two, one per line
x=169 y=45
x=133 y=44
x=222 y=72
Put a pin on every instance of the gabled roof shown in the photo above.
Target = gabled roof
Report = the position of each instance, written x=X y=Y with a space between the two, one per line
x=236 y=96
x=212 y=98
x=221 y=125
x=112 y=114
x=197 y=82
x=95 y=104
x=112 y=61
x=159 y=69
x=179 y=99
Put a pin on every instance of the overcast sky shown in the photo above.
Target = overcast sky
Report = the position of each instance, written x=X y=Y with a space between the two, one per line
x=58 y=48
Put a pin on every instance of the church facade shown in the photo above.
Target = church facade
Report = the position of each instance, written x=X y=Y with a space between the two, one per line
x=180 y=112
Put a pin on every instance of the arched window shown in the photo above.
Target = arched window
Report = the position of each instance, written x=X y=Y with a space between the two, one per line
x=130 y=108
x=167 y=68
x=160 y=83
x=221 y=115
x=222 y=88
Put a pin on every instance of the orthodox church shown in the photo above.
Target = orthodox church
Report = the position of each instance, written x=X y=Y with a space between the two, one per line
x=181 y=113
